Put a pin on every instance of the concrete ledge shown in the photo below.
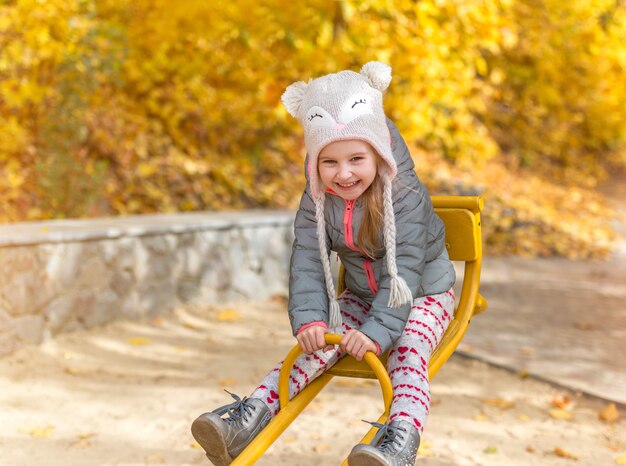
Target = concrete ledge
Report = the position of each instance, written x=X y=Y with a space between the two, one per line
x=72 y=230
x=59 y=276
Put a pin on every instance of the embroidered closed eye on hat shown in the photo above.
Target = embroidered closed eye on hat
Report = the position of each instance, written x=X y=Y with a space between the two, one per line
x=342 y=106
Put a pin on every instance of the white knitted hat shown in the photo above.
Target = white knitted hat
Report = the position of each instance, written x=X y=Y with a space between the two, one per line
x=341 y=106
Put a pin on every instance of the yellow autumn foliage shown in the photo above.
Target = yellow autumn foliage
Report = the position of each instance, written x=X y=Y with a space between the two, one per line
x=110 y=107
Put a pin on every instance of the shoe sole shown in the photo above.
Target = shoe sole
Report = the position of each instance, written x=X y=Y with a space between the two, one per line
x=212 y=441
x=365 y=458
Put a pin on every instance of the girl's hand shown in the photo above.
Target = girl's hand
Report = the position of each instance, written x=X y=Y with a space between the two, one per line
x=357 y=344
x=312 y=339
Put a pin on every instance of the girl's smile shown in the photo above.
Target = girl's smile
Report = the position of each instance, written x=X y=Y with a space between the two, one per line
x=349 y=185
x=348 y=167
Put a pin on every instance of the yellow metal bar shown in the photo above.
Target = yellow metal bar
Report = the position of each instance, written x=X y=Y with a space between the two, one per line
x=372 y=361
x=456 y=330
x=333 y=339
x=463 y=315
x=283 y=419
x=473 y=203
x=290 y=409
x=377 y=367
x=283 y=378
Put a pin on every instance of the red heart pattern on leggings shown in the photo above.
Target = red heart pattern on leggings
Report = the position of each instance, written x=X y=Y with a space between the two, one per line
x=407 y=362
x=273 y=396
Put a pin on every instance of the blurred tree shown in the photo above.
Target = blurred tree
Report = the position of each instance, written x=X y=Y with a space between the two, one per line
x=557 y=103
x=115 y=107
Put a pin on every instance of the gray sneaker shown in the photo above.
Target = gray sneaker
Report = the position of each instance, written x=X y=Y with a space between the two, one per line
x=224 y=438
x=395 y=444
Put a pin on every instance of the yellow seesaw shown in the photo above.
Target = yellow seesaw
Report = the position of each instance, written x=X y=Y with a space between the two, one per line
x=461 y=215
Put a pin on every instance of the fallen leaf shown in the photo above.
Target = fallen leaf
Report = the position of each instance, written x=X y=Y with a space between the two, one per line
x=139 y=341
x=561 y=414
x=609 y=413
x=74 y=371
x=523 y=374
x=564 y=454
x=280 y=299
x=523 y=417
x=82 y=443
x=467 y=348
x=228 y=315
x=195 y=446
x=481 y=418
x=490 y=450
x=41 y=432
x=86 y=435
x=227 y=382
x=424 y=449
x=500 y=403
x=585 y=325
x=154 y=459
x=620 y=459
x=530 y=449
x=191 y=325
x=321 y=448
x=561 y=401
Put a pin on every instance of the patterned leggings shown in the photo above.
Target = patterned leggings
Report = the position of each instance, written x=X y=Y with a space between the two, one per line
x=407 y=363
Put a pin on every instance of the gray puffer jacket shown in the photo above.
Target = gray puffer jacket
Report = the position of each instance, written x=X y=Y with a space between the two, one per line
x=421 y=255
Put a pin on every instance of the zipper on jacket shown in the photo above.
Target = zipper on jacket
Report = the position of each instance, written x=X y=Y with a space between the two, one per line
x=349 y=236
x=369 y=273
x=347 y=224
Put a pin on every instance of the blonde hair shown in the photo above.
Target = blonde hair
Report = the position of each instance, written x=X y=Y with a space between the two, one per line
x=371 y=225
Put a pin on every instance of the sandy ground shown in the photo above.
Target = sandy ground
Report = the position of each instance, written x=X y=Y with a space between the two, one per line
x=125 y=394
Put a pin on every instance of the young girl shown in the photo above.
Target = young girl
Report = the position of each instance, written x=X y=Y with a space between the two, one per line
x=364 y=201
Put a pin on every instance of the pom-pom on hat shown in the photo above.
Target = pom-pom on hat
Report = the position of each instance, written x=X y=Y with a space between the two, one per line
x=341 y=106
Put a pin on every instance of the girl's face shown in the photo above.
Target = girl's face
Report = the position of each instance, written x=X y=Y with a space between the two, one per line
x=348 y=167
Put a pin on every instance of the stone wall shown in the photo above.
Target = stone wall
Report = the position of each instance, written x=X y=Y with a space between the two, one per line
x=59 y=276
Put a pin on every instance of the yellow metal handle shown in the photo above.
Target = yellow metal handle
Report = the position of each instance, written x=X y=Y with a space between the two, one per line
x=334 y=339
x=472 y=203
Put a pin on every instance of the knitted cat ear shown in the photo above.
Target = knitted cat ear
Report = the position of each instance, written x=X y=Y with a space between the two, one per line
x=378 y=74
x=293 y=96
